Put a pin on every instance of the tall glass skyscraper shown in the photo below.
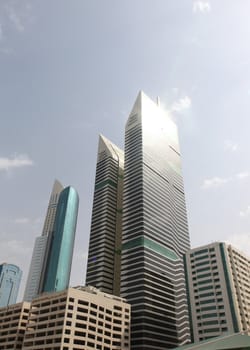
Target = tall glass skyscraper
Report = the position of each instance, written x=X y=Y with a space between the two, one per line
x=58 y=263
x=10 y=277
x=52 y=255
x=155 y=230
x=103 y=270
x=41 y=248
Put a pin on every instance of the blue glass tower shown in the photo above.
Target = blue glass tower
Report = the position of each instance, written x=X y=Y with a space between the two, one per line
x=41 y=248
x=10 y=277
x=58 y=265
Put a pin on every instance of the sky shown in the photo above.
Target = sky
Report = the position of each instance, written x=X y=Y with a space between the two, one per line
x=70 y=70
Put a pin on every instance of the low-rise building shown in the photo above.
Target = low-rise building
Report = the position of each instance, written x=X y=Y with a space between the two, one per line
x=218 y=285
x=78 y=318
x=236 y=341
x=13 y=321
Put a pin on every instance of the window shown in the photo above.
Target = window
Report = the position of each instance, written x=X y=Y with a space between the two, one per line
x=92 y=345
x=117 y=308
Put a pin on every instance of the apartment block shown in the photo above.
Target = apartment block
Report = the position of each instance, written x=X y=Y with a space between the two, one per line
x=240 y=270
x=218 y=285
x=78 y=318
x=13 y=321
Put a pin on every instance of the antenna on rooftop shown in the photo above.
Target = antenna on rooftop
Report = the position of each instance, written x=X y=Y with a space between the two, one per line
x=158 y=101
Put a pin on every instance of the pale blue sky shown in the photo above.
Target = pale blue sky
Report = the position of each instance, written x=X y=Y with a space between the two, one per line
x=70 y=70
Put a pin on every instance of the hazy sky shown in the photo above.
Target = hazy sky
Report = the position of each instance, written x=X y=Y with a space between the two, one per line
x=70 y=70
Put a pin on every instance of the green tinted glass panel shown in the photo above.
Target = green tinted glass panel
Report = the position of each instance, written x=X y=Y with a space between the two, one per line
x=105 y=183
x=206 y=281
x=145 y=242
x=207 y=308
x=214 y=314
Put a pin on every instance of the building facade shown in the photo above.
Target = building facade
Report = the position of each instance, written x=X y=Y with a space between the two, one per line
x=78 y=318
x=13 y=321
x=235 y=341
x=41 y=247
x=10 y=277
x=103 y=269
x=218 y=283
x=155 y=230
x=59 y=259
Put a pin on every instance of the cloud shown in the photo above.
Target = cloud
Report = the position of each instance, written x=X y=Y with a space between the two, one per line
x=201 y=6
x=18 y=14
x=15 y=14
x=241 y=242
x=6 y=50
x=215 y=182
x=245 y=212
x=242 y=175
x=15 y=18
x=230 y=146
x=12 y=250
x=15 y=162
x=22 y=221
x=182 y=104
x=175 y=90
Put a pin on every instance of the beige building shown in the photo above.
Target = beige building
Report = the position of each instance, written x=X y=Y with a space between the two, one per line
x=78 y=318
x=218 y=283
x=13 y=321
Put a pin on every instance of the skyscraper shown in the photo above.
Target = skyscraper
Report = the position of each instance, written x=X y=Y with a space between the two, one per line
x=218 y=279
x=103 y=270
x=49 y=272
x=41 y=248
x=10 y=277
x=59 y=258
x=155 y=230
